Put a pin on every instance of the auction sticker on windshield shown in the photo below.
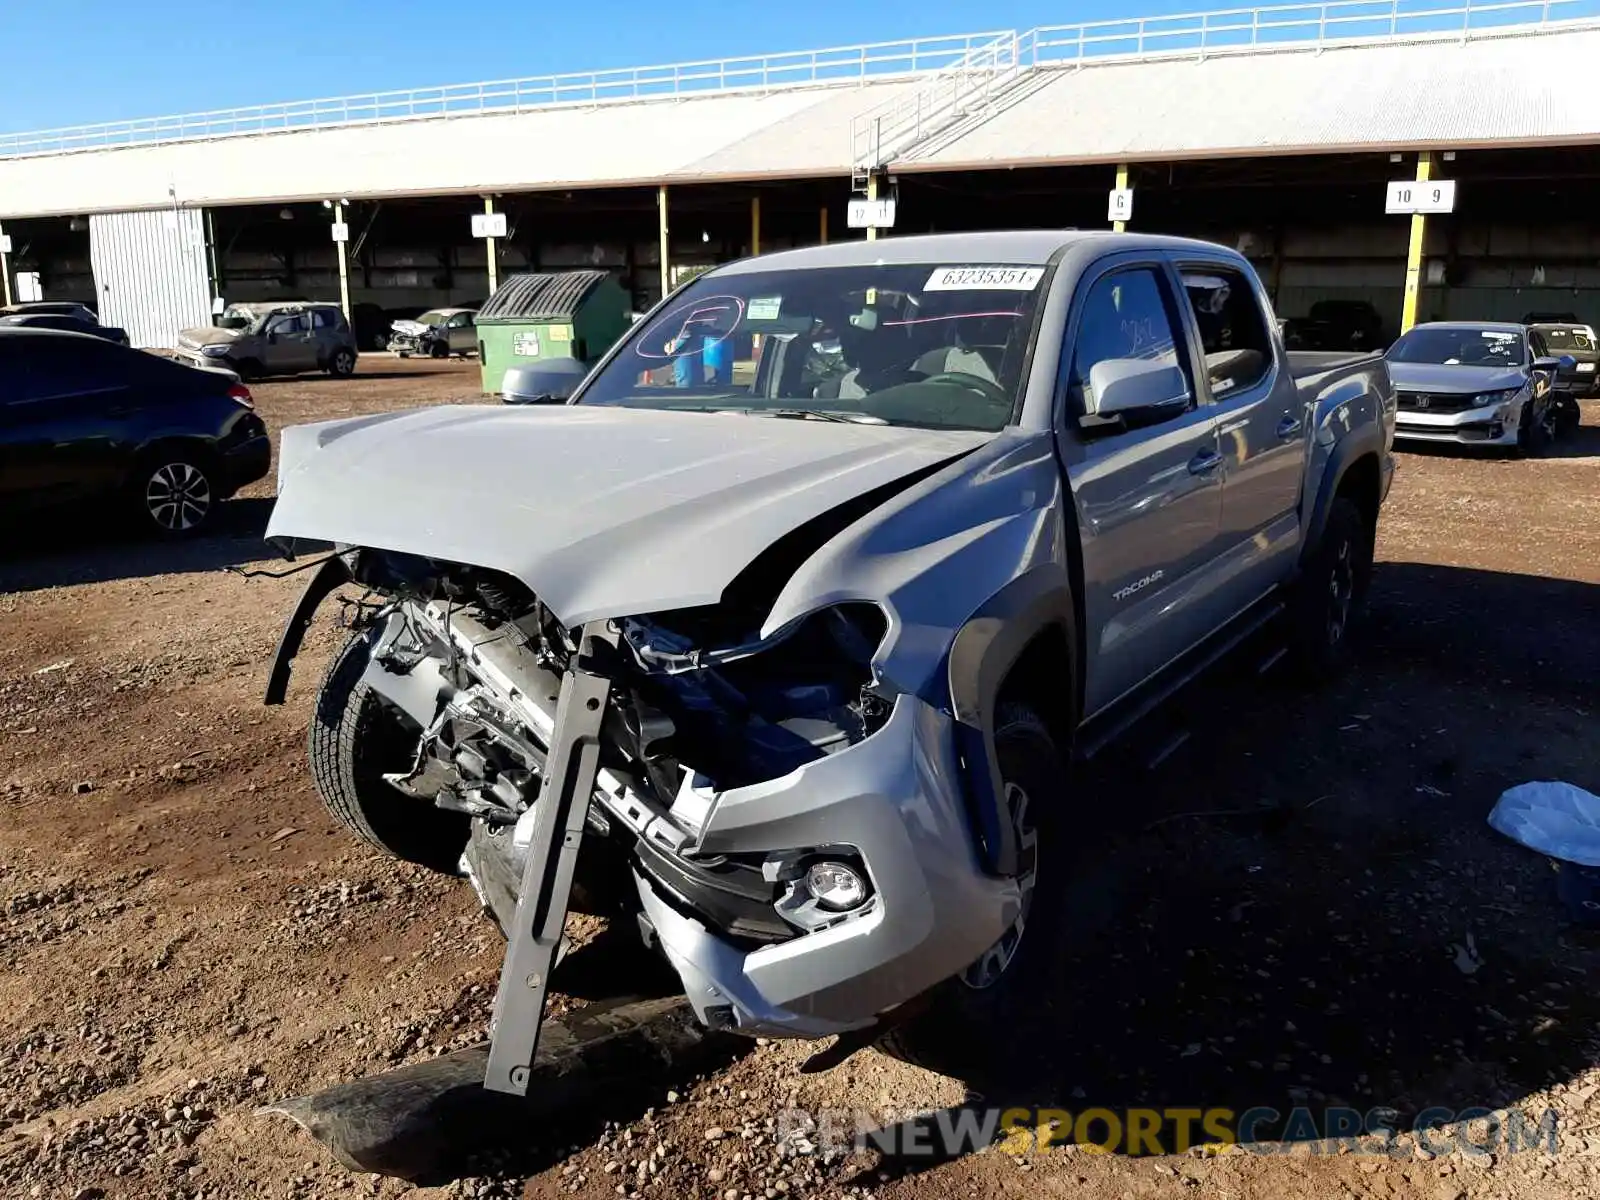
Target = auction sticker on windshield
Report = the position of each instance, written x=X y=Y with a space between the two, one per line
x=984 y=279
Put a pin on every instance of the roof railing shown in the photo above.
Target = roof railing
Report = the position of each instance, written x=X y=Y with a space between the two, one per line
x=955 y=62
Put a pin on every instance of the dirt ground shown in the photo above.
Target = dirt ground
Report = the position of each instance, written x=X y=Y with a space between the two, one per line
x=187 y=936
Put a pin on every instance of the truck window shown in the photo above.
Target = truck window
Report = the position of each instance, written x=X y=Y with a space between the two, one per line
x=1233 y=333
x=1127 y=314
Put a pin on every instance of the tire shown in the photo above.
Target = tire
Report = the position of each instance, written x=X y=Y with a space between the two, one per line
x=958 y=1021
x=249 y=370
x=356 y=738
x=173 y=492
x=1331 y=594
x=342 y=363
x=1568 y=415
x=438 y=350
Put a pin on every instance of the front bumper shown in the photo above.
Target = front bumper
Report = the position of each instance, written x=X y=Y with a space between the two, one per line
x=246 y=462
x=896 y=800
x=1492 y=425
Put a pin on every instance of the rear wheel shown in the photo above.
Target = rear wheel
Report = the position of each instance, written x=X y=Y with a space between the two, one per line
x=356 y=738
x=966 y=1016
x=342 y=363
x=174 y=493
x=1331 y=594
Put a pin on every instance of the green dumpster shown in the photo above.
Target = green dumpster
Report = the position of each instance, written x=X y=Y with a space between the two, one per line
x=573 y=314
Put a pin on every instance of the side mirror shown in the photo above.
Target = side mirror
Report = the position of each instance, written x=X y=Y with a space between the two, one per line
x=1550 y=363
x=549 y=381
x=272 y=337
x=1132 y=387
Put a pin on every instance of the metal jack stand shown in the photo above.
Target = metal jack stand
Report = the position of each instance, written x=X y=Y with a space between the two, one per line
x=560 y=812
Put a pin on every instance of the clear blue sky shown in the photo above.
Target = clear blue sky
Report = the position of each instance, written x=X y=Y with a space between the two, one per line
x=70 y=62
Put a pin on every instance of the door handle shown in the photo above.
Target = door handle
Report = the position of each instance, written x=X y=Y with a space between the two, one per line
x=1289 y=427
x=1204 y=462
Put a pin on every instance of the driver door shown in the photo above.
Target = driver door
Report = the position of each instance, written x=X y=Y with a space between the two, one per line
x=460 y=334
x=1148 y=490
x=290 y=345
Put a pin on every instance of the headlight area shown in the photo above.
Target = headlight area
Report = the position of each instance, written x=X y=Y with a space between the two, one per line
x=757 y=900
x=1485 y=399
x=752 y=711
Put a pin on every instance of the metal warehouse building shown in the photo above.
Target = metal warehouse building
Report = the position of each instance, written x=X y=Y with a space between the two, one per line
x=1278 y=130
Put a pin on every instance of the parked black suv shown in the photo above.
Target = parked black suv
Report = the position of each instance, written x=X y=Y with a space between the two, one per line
x=85 y=421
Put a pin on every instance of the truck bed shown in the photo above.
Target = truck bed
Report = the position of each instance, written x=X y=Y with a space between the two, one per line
x=1305 y=363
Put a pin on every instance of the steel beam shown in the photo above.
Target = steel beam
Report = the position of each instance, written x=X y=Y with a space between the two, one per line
x=560 y=810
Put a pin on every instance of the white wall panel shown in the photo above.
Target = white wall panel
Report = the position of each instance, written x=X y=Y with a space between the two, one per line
x=150 y=272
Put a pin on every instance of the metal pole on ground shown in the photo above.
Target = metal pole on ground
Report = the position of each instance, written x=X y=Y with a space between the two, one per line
x=1122 y=185
x=872 y=195
x=661 y=214
x=489 y=248
x=755 y=226
x=1419 y=229
x=822 y=225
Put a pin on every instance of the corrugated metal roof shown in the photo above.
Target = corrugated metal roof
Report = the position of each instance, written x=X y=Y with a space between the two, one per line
x=1514 y=91
x=540 y=297
x=1532 y=88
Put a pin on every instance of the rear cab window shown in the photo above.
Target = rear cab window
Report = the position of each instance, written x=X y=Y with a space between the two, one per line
x=1233 y=330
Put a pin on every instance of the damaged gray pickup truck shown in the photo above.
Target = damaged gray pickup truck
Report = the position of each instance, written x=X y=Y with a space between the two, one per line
x=784 y=660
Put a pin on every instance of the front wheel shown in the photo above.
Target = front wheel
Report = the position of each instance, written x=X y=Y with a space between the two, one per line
x=1331 y=594
x=356 y=738
x=973 y=1012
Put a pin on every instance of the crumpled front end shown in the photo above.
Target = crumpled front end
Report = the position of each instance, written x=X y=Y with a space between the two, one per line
x=890 y=809
x=411 y=337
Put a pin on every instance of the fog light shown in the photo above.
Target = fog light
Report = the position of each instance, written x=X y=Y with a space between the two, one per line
x=835 y=886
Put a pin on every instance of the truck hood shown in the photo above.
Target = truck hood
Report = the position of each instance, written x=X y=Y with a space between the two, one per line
x=1435 y=377
x=410 y=328
x=207 y=335
x=603 y=512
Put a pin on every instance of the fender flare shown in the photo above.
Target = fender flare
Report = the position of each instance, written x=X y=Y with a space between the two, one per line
x=982 y=654
x=1356 y=444
x=333 y=573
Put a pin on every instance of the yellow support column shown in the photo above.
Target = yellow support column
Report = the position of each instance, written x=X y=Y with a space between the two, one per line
x=872 y=194
x=755 y=226
x=661 y=213
x=489 y=248
x=344 y=262
x=1419 y=229
x=822 y=225
x=1122 y=182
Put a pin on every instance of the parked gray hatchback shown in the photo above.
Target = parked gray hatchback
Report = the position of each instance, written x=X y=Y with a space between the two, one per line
x=279 y=337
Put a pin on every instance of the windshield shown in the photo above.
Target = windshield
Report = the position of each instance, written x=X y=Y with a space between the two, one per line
x=433 y=317
x=1566 y=339
x=236 y=318
x=932 y=346
x=1454 y=347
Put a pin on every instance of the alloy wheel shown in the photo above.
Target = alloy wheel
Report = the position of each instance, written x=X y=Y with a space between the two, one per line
x=993 y=963
x=1341 y=591
x=177 y=496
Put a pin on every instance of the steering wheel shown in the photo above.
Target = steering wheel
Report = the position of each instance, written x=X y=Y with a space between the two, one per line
x=990 y=391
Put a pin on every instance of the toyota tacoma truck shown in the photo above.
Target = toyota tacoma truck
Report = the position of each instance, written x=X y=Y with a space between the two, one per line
x=787 y=668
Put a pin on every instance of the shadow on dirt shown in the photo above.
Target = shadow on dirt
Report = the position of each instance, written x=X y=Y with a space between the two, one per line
x=1363 y=941
x=85 y=548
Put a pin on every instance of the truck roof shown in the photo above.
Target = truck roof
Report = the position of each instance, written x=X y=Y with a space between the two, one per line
x=1015 y=248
